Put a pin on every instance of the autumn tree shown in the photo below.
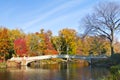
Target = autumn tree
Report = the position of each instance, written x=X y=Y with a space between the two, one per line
x=68 y=39
x=98 y=45
x=4 y=43
x=57 y=43
x=79 y=45
x=41 y=42
x=20 y=47
x=84 y=45
x=32 y=44
x=13 y=35
x=117 y=46
x=105 y=20
x=45 y=44
x=49 y=46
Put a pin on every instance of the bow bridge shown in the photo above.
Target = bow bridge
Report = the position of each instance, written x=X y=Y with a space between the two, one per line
x=25 y=60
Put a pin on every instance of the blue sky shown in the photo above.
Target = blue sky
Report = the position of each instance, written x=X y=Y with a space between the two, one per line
x=54 y=15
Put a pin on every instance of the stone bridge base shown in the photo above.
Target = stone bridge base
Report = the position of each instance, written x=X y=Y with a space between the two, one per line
x=13 y=64
x=23 y=63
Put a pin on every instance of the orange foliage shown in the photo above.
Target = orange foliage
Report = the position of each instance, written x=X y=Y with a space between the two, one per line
x=47 y=52
x=4 y=43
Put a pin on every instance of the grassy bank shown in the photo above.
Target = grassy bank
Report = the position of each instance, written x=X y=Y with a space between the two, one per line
x=113 y=64
x=115 y=73
x=111 y=61
x=3 y=65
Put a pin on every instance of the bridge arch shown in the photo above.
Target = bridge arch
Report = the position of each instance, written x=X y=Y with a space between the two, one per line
x=26 y=60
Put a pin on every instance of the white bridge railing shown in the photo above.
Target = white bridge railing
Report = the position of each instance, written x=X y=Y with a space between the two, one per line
x=35 y=58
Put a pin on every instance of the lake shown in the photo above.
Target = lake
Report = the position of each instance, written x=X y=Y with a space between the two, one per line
x=63 y=71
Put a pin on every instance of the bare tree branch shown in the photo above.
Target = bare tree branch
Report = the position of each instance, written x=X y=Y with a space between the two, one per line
x=105 y=21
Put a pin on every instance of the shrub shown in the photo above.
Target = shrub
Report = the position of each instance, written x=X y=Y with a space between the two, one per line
x=115 y=58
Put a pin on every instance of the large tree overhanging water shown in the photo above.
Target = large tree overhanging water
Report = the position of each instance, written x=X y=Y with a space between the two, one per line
x=105 y=21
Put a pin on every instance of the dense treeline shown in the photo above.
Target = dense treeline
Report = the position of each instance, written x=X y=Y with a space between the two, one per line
x=16 y=43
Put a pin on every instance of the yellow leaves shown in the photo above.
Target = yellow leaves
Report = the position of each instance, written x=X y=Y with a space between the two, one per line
x=4 y=41
x=68 y=34
x=68 y=38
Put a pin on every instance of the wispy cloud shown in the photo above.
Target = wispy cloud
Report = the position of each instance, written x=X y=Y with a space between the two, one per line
x=68 y=4
x=70 y=22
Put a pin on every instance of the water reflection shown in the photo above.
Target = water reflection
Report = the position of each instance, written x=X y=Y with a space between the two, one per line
x=64 y=71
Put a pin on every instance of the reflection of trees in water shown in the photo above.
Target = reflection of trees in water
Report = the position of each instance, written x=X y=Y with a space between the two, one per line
x=75 y=72
x=63 y=71
x=101 y=72
x=3 y=74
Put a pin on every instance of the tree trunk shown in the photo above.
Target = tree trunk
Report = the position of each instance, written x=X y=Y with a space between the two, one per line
x=111 y=42
x=4 y=58
x=112 y=48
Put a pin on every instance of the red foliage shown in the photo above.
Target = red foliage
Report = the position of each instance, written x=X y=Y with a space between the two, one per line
x=49 y=46
x=37 y=33
x=1 y=60
x=20 y=47
x=54 y=52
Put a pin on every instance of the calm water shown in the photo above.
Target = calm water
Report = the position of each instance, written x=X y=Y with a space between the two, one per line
x=64 y=71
